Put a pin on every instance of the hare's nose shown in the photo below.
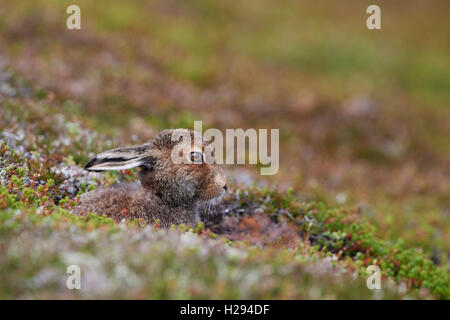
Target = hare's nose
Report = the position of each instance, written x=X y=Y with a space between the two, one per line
x=221 y=180
x=225 y=187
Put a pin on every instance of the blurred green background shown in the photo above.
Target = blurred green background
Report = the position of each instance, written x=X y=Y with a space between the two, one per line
x=364 y=115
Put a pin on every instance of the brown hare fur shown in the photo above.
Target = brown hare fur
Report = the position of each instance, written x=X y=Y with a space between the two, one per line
x=168 y=191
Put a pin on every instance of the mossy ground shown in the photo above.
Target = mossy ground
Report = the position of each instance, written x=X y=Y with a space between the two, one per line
x=365 y=133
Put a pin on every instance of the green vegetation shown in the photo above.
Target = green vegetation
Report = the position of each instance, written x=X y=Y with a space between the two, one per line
x=364 y=127
x=29 y=219
x=35 y=209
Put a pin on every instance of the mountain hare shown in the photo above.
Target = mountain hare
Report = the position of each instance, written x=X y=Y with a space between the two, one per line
x=169 y=191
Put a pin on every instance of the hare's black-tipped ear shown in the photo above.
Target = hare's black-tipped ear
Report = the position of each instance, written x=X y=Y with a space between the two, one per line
x=120 y=159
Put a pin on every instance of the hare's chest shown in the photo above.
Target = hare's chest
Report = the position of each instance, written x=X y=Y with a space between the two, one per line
x=169 y=215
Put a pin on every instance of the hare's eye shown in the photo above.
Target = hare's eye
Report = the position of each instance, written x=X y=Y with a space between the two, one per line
x=196 y=157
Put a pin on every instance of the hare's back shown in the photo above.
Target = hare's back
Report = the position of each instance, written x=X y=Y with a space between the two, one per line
x=117 y=202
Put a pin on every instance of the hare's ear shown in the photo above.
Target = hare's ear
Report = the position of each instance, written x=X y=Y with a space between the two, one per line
x=120 y=159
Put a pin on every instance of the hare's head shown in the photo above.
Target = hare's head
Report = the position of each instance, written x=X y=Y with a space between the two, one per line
x=178 y=165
